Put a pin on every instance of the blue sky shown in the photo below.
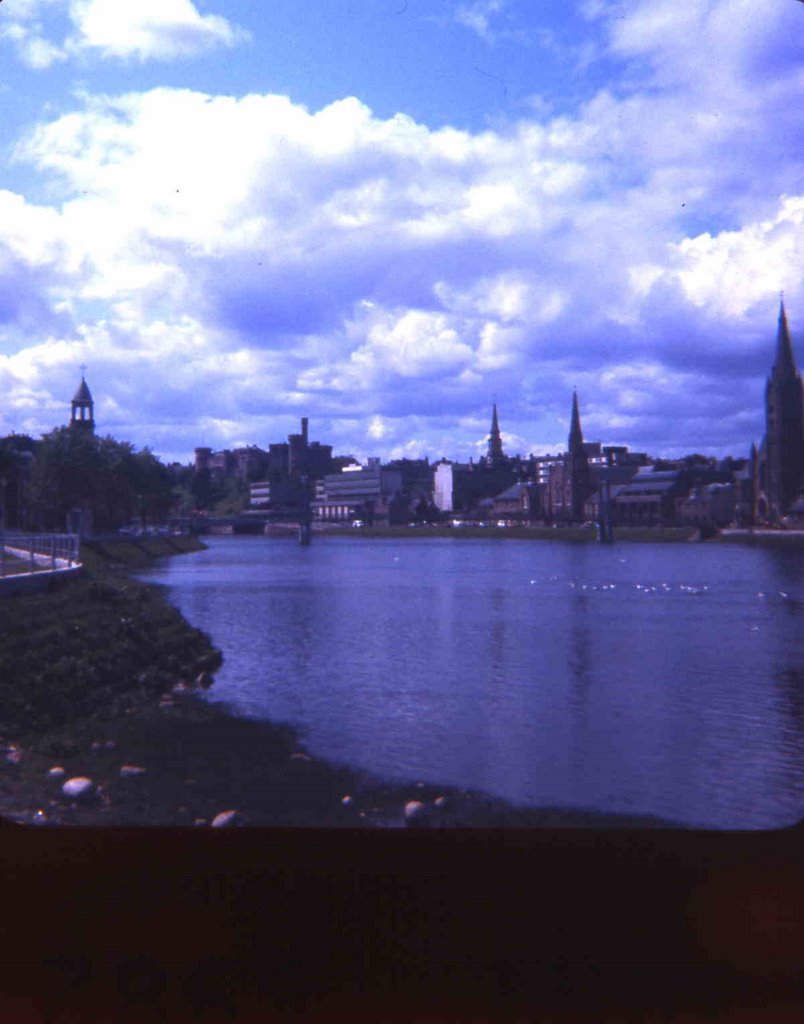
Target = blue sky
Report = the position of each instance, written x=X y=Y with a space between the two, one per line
x=385 y=214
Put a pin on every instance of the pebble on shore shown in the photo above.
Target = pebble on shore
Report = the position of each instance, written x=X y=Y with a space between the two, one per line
x=129 y=770
x=56 y=771
x=415 y=811
x=77 y=787
x=225 y=819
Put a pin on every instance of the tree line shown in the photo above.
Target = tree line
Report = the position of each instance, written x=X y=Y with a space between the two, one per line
x=42 y=481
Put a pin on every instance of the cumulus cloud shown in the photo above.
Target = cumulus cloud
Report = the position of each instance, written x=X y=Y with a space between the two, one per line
x=145 y=30
x=159 y=29
x=229 y=263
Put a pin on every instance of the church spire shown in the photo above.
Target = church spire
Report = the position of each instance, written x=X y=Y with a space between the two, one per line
x=577 y=466
x=576 y=434
x=785 y=364
x=495 y=451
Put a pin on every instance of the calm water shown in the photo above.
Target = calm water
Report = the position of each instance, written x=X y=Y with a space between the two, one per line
x=659 y=679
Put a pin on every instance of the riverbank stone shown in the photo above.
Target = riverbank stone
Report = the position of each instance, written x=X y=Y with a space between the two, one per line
x=416 y=813
x=226 y=819
x=78 y=788
x=204 y=680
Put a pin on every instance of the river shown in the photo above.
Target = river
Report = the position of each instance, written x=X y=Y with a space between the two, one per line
x=638 y=678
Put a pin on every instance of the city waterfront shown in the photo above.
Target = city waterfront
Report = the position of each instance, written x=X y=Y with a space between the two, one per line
x=645 y=679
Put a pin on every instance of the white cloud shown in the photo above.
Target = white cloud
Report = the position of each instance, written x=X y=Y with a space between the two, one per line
x=22 y=25
x=735 y=270
x=148 y=29
x=141 y=30
x=479 y=15
x=378 y=428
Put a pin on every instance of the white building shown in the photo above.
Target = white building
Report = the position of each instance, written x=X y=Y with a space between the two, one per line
x=443 y=486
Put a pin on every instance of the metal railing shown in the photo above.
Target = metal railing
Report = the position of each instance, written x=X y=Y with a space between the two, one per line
x=44 y=552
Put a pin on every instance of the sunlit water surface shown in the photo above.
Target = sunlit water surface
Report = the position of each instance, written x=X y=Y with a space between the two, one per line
x=657 y=679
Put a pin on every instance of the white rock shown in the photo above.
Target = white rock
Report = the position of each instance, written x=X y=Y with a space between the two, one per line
x=298 y=756
x=224 y=819
x=128 y=770
x=346 y=801
x=414 y=809
x=440 y=801
x=77 y=787
x=56 y=772
x=204 y=680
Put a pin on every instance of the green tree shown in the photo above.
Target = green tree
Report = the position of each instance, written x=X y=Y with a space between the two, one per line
x=76 y=468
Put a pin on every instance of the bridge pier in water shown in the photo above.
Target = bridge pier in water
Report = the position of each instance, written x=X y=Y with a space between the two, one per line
x=306 y=515
x=604 y=525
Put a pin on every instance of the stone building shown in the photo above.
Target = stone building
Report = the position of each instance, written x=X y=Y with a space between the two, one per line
x=519 y=503
x=711 y=505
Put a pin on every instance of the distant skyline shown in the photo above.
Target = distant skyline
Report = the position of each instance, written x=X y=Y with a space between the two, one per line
x=387 y=214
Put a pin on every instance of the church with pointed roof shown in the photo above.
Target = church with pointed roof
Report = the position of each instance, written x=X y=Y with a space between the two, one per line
x=569 y=483
x=779 y=476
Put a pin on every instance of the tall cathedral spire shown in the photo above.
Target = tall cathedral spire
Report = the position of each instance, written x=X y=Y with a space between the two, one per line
x=785 y=364
x=495 y=451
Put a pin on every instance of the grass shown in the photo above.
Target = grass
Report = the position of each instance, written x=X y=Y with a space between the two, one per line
x=91 y=645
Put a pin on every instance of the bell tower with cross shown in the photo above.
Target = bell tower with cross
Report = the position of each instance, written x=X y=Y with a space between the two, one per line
x=82 y=415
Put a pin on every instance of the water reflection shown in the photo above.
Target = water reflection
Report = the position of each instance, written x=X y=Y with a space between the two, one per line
x=579 y=658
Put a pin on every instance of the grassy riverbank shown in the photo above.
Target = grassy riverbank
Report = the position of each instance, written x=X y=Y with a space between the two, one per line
x=96 y=679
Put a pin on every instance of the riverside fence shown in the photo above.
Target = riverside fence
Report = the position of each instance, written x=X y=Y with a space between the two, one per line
x=24 y=554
